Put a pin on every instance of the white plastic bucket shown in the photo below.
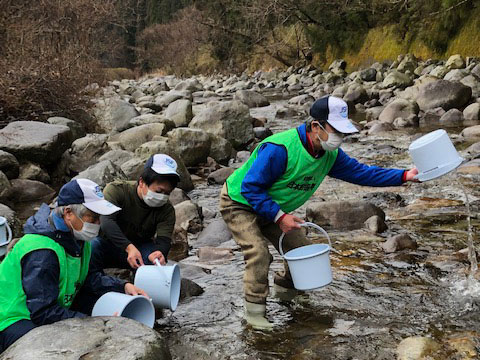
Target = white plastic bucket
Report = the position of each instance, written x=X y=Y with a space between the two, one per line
x=434 y=155
x=309 y=265
x=161 y=283
x=5 y=235
x=137 y=307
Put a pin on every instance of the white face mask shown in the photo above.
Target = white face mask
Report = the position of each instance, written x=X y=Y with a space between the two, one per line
x=154 y=199
x=333 y=142
x=88 y=232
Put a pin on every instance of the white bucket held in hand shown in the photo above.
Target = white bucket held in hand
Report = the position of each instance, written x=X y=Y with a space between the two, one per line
x=5 y=235
x=434 y=155
x=161 y=283
x=137 y=307
x=309 y=265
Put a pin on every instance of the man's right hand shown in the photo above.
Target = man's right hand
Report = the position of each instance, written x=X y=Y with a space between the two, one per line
x=289 y=222
x=134 y=257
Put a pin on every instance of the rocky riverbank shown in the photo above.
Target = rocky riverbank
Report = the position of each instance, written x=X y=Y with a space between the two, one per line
x=398 y=275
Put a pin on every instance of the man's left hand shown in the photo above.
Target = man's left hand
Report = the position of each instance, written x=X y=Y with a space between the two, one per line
x=157 y=255
x=410 y=175
x=131 y=289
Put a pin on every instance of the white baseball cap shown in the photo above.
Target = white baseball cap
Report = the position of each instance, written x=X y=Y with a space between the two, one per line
x=162 y=164
x=335 y=111
x=87 y=193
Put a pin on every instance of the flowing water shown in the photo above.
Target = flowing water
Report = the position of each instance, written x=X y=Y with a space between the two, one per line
x=376 y=299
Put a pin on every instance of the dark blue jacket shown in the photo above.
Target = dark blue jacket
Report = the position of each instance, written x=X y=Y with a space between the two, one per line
x=41 y=271
x=271 y=163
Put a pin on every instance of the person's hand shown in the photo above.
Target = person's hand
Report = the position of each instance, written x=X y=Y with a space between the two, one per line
x=134 y=256
x=131 y=289
x=157 y=255
x=289 y=223
x=410 y=175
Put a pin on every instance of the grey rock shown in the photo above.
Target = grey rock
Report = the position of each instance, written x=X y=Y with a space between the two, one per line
x=35 y=141
x=455 y=62
x=456 y=75
x=411 y=121
x=133 y=138
x=158 y=146
x=368 y=74
x=152 y=119
x=220 y=176
x=472 y=112
x=432 y=116
x=439 y=71
x=397 y=79
x=338 y=64
x=193 y=145
x=398 y=108
x=379 y=128
x=118 y=157
x=356 y=93
x=100 y=338
x=5 y=187
x=343 y=214
x=114 y=114
x=189 y=288
x=474 y=149
x=31 y=190
x=102 y=173
x=262 y=132
x=375 y=224
x=214 y=234
x=398 y=243
x=188 y=216
x=373 y=113
x=221 y=150
x=208 y=253
x=177 y=196
x=452 y=117
x=251 y=98
x=33 y=171
x=444 y=94
x=301 y=100
x=133 y=168
x=230 y=120
x=9 y=165
x=471 y=133
x=190 y=85
x=172 y=96
x=417 y=348
x=473 y=83
x=408 y=63
x=180 y=112
x=87 y=150
x=77 y=129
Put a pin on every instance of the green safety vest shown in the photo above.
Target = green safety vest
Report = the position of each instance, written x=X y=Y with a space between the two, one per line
x=302 y=177
x=73 y=271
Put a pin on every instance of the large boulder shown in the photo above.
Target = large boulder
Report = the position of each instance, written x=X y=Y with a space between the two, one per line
x=118 y=157
x=251 y=98
x=77 y=129
x=471 y=133
x=188 y=216
x=190 y=85
x=230 y=120
x=24 y=190
x=398 y=108
x=171 y=96
x=356 y=93
x=114 y=114
x=152 y=119
x=9 y=165
x=131 y=139
x=444 y=94
x=102 y=173
x=452 y=117
x=455 y=62
x=99 y=338
x=343 y=215
x=220 y=176
x=472 y=112
x=221 y=150
x=214 y=234
x=133 y=168
x=397 y=79
x=12 y=219
x=35 y=141
x=398 y=243
x=180 y=112
x=33 y=171
x=5 y=187
x=408 y=63
x=193 y=145
x=86 y=151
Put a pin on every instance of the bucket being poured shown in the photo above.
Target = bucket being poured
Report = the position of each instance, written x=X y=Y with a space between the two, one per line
x=309 y=265
x=161 y=283
x=137 y=307
x=434 y=155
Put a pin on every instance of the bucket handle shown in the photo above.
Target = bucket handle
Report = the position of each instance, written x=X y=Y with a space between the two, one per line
x=9 y=231
x=167 y=282
x=305 y=224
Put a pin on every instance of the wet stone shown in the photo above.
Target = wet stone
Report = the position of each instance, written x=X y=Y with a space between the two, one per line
x=398 y=243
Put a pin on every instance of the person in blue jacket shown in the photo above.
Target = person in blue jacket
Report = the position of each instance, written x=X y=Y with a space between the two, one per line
x=45 y=278
x=282 y=173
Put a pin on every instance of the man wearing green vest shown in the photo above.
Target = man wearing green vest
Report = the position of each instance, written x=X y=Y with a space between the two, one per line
x=282 y=173
x=43 y=277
